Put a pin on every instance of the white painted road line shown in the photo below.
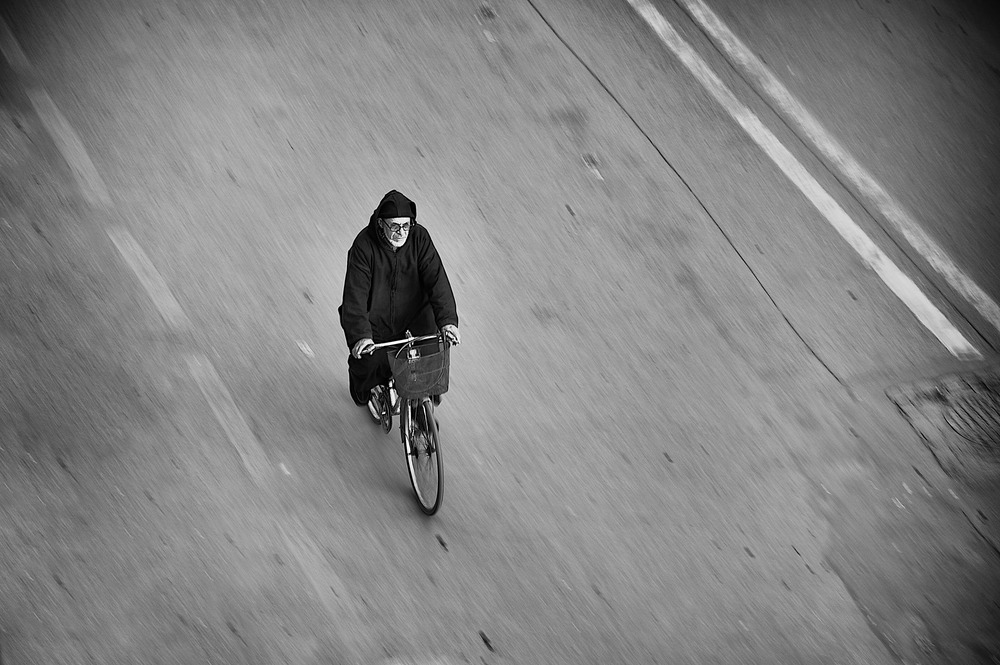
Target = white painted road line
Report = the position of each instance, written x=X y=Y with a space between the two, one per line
x=897 y=281
x=150 y=279
x=846 y=164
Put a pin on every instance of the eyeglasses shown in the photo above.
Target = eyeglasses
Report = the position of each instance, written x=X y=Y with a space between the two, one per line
x=397 y=228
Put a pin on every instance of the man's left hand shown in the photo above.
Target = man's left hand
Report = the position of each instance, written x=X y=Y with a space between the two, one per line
x=451 y=334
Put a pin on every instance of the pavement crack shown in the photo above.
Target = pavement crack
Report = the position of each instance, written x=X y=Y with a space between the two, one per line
x=812 y=351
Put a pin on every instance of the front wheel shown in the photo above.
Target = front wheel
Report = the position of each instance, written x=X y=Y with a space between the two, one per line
x=422 y=443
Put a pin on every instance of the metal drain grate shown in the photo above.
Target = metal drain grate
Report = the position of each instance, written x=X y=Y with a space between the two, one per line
x=975 y=417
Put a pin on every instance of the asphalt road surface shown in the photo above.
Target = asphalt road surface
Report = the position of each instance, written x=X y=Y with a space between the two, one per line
x=667 y=438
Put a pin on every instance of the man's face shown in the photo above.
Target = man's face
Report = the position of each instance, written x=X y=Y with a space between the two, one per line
x=396 y=230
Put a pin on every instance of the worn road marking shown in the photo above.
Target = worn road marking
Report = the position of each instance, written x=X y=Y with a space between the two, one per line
x=897 y=281
x=70 y=147
x=229 y=416
x=330 y=589
x=150 y=279
x=65 y=138
x=848 y=166
x=328 y=585
x=12 y=50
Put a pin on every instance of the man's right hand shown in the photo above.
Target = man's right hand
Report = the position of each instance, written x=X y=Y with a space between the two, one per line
x=362 y=347
x=450 y=331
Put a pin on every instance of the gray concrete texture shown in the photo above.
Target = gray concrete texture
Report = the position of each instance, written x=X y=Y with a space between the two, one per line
x=668 y=436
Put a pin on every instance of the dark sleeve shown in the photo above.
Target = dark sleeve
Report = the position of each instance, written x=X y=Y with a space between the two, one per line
x=357 y=286
x=435 y=281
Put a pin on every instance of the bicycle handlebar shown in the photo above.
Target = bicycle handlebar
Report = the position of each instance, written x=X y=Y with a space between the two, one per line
x=408 y=340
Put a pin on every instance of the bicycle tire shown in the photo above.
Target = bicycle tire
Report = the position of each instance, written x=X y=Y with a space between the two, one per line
x=423 y=455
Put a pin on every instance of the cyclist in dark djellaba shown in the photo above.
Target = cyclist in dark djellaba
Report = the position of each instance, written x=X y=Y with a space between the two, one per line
x=395 y=283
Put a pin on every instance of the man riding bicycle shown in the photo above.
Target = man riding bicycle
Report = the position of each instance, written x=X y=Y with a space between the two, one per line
x=395 y=283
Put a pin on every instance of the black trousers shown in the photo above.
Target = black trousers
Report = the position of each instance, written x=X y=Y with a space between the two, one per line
x=367 y=372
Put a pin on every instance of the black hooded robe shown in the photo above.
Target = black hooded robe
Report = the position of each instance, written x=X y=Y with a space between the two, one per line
x=388 y=292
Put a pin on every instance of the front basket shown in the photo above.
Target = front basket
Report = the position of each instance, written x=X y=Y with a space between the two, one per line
x=424 y=375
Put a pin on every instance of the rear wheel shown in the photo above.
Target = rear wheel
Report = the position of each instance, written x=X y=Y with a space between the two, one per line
x=422 y=443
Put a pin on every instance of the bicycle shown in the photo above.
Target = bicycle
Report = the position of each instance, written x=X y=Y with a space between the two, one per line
x=418 y=372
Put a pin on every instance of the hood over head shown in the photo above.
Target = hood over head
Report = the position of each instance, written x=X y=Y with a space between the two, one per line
x=394 y=204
